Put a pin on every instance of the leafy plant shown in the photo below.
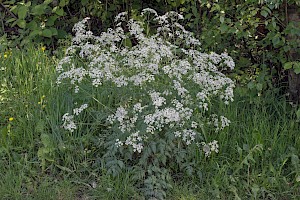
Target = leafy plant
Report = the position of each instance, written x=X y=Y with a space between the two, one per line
x=161 y=87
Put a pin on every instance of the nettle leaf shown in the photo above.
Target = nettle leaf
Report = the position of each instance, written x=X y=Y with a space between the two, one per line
x=32 y=25
x=22 y=12
x=223 y=28
x=53 y=31
x=264 y=13
x=62 y=3
x=51 y=20
x=276 y=40
x=61 y=34
x=47 y=33
x=288 y=65
x=48 y=2
x=297 y=67
x=35 y=32
x=21 y=23
x=28 y=4
x=39 y=9
x=58 y=11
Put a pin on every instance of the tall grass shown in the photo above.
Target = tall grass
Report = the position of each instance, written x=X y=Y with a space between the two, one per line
x=258 y=158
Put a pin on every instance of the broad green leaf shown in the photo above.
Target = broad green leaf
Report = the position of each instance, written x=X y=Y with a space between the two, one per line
x=47 y=33
x=53 y=30
x=61 y=34
x=35 y=32
x=264 y=13
x=288 y=65
x=21 y=23
x=60 y=12
x=51 y=20
x=276 y=40
x=39 y=9
x=28 y=4
x=48 y=2
x=286 y=48
x=194 y=11
x=297 y=70
x=297 y=67
x=32 y=25
x=62 y=3
x=251 y=85
x=22 y=12
x=188 y=16
x=223 y=28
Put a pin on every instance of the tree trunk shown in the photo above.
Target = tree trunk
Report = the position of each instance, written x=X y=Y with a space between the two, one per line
x=293 y=15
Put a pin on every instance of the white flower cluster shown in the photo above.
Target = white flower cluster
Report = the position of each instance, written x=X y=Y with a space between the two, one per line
x=219 y=124
x=134 y=140
x=77 y=111
x=68 y=119
x=68 y=122
x=177 y=79
x=188 y=136
x=210 y=147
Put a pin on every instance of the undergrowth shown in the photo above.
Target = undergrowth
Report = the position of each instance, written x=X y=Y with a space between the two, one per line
x=258 y=153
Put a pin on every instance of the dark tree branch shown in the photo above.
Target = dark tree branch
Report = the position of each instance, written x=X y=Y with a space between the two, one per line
x=11 y=13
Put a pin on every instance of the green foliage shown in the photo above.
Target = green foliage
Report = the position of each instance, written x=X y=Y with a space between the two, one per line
x=76 y=172
x=259 y=154
x=293 y=65
x=43 y=21
x=38 y=20
x=254 y=29
x=247 y=29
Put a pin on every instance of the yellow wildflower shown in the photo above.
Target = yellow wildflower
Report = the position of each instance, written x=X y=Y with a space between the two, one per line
x=11 y=119
x=43 y=48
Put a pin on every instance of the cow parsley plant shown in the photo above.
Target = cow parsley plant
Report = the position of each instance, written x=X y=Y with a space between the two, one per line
x=169 y=85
